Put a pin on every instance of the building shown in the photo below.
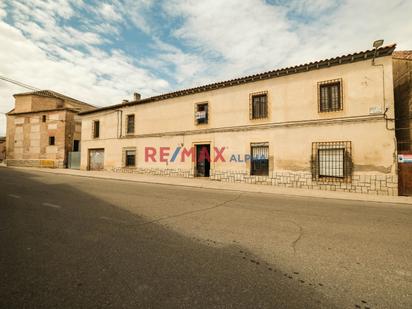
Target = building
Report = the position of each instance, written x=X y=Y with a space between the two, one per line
x=323 y=125
x=2 y=148
x=43 y=128
x=402 y=80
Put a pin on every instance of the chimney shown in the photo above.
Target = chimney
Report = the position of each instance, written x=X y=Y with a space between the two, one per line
x=136 y=96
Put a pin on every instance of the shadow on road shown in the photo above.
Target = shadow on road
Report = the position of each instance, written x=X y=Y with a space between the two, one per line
x=63 y=248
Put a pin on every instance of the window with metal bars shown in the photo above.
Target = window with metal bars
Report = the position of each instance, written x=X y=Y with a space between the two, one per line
x=259 y=163
x=130 y=159
x=259 y=106
x=331 y=161
x=330 y=96
x=130 y=124
x=202 y=113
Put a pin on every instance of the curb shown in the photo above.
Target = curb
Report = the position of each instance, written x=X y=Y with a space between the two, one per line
x=362 y=198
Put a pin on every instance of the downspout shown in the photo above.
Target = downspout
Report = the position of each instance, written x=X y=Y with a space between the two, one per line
x=119 y=123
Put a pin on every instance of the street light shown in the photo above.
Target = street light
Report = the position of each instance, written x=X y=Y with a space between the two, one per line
x=376 y=45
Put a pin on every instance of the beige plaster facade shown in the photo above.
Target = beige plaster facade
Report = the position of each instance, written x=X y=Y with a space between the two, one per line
x=292 y=125
x=2 y=148
x=42 y=129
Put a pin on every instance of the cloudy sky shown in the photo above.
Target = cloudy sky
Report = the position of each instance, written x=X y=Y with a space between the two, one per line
x=101 y=52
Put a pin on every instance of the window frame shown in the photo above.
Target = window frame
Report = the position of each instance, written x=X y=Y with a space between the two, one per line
x=128 y=131
x=197 y=105
x=253 y=170
x=78 y=145
x=94 y=135
x=328 y=84
x=52 y=140
x=332 y=165
x=252 y=105
x=124 y=157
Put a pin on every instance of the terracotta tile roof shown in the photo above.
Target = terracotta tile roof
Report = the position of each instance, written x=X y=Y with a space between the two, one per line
x=402 y=54
x=53 y=94
x=344 y=59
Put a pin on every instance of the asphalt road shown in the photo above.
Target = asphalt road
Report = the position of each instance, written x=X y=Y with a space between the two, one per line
x=75 y=242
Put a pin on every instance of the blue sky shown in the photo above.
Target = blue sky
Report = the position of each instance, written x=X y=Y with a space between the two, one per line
x=103 y=51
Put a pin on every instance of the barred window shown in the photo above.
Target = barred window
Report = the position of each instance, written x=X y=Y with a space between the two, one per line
x=259 y=159
x=331 y=161
x=202 y=113
x=259 y=106
x=330 y=96
x=130 y=124
x=130 y=159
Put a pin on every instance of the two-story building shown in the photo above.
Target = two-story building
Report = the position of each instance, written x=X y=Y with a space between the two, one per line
x=325 y=125
x=43 y=128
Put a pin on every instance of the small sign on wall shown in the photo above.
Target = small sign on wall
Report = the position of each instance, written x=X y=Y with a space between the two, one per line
x=375 y=110
x=405 y=158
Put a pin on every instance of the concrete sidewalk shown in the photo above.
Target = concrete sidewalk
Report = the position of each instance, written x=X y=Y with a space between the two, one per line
x=210 y=184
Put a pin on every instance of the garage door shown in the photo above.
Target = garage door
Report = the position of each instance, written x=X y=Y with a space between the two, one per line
x=96 y=159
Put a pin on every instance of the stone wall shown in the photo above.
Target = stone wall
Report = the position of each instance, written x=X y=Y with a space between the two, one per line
x=156 y=171
x=379 y=184
x=35 y=163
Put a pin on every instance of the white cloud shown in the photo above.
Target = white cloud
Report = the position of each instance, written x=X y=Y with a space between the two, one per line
x=248 y=34
x=109 y=12
x=46 y=55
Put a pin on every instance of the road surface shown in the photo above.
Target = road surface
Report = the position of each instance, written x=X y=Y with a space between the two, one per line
x=71 y=242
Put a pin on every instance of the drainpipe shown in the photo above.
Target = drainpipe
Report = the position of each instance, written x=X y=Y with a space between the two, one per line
x=119 y=122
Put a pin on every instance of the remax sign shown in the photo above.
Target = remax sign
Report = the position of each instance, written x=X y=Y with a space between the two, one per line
x=183 y=154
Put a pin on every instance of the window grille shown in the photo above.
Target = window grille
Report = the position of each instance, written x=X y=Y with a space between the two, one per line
x=259 y=106
x=130 y=124
x=202 y=113
x=130 y=159
x=331 y=161
x=330 y=96
x=259 y=159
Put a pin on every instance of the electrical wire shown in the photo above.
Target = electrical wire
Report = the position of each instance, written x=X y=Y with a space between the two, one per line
x=15 y=82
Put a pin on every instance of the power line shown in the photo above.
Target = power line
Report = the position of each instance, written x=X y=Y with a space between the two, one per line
x=12 y=81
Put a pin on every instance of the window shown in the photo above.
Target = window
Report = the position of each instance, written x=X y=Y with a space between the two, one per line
x=202 y=113
x=76 y=145
x=130 y=159
x=43 y=118
x=96 y=129
x=259 y=159
x=331 y=161
x=130 y=124
x=51 y=140
x=259 y=105
x=330 y=96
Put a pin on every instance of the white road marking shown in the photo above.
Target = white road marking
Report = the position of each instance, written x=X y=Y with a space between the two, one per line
x=51 y=205
x=14 y=196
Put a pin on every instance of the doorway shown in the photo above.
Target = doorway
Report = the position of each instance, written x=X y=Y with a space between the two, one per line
x=405 y=174
x=202 y=160
x=96 y=159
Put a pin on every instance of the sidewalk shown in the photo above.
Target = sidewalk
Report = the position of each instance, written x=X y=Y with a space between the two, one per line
x=210 y=184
